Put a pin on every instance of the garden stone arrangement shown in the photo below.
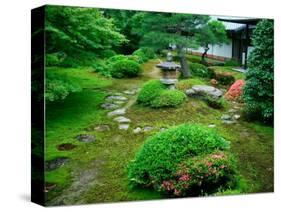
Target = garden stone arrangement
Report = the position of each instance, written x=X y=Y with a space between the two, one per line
x=126 y=121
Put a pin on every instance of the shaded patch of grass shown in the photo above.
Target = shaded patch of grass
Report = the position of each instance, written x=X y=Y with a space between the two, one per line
x=237 y=75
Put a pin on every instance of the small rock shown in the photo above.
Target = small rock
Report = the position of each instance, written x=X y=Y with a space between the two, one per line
x=236 y=107
x=124 y=126
x=55 y=163
x=102 y=127
x=236 y=116
x=226 y=117
x=132 y=92
x=228 y=122
x=232 y=111
x=85 y=138
x=211 y=125
x=121 y=98
x=122 y=119
x=66 y=147
x=109 y=106
x=162 y=129
x=201 y=90
x=147 y=129
x=137 y=130
x=119 y=102
x=121 y=111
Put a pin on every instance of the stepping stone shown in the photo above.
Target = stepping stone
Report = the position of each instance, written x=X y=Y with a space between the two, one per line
x=85 y=138
x=128 y=92
x=121 y=98
x=147 y=129
x=211 y=125
x=66 y=147
x=124 y=126
x=232 y=111
x=102 y=128
x=122 y=119
x=118 y=102
x=236 y=116
x=137 y=130
x=55 y=163
x=226 y=117
x=116 y=112
x=109 y=106
x=162 y=129
x=228 y=122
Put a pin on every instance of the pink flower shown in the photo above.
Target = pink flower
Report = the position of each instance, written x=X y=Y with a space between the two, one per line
x=168 y=185
x=222 y=166
x=218 y=156
x=177 y=192
x=209 y=164
x=184 y=177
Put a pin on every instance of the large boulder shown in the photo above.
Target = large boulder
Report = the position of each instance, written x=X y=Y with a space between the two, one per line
x=204 y=90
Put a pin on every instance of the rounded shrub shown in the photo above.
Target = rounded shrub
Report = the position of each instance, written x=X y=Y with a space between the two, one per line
x=124 y=68
x=168 y=98
x=183 y=161
x=225 y=78
x=150 y=91
x=199 y=70
x=141 y=55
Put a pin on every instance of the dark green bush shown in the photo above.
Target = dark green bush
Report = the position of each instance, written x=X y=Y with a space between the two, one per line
x=141 y=55
x=215 y=103
x=174 y=152
x=225 y=78
x=149 y=52
x=199 y=70
x=124 y=68
x=59 y=87
x=231 y=62
x=52 y=60
x=258 y=90
x=150 y=91
x=168 y=98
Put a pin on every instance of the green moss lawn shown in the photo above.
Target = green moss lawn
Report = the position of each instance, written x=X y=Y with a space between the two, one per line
x=96 y=171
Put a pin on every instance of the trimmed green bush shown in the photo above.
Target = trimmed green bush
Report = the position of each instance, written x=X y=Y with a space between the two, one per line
x=215 y=103
x=141 y=55
x=150 y=91
x=168 y=98
x=124 y=68
x=182 y=150
x=258 y=90
x=199 y=70
x=225 y=78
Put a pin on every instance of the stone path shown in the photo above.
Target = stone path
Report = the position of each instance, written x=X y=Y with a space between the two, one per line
x=232 y=115
x=117 y=104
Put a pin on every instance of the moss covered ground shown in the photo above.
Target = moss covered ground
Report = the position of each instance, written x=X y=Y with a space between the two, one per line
x=96 y=172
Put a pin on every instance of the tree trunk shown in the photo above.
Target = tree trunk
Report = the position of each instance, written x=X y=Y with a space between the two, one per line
x=205 y=53
x=184 y=65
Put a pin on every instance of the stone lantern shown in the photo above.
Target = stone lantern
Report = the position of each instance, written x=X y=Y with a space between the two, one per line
x=169 y=71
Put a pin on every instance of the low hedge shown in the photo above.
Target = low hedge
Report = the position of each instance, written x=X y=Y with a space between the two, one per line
x=225 y=78
x=183 y=161
x=124 y=68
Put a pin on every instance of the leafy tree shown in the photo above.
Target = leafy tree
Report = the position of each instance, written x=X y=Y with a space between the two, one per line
x=158 y=30
x=258 y=90
x=79 y=31
x=211 y=34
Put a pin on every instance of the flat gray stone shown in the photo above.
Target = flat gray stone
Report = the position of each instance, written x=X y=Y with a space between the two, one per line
x=137 y=130
x=130 y=92
x=211 y=125
x=102 y=128
x=162 y=129
x=201 y=90
x=85 y=138
x=122 y=119
x=55 y=163
x=236 y=116
x=117 y=97
x=226 y=117
x=124 y=126
x=228 y=121
x=109 y=106
x=147 y=129
x=116 y=112
x=232 y=111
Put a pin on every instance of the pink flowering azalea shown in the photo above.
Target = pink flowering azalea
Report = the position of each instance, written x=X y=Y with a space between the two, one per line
x=218 y=156
x=184 y=177
x=235 y=91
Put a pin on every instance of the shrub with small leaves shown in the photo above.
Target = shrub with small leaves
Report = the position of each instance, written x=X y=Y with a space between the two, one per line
x=235 y=91
x=120 y=66
x=258 y=89
x=225 y=78
x=168 y=98
x=183 y=160
x=199 y=70
x=150 y=91
x=215 y=103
